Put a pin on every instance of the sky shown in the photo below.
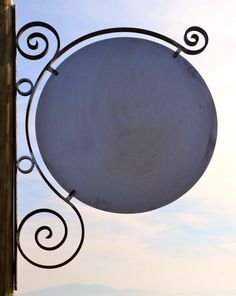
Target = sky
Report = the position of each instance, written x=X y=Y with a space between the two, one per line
x=189 y=245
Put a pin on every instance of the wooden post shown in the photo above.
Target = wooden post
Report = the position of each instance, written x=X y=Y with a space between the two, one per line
x=7 y=146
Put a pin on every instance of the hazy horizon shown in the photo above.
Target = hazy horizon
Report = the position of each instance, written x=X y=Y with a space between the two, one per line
x=99 y=290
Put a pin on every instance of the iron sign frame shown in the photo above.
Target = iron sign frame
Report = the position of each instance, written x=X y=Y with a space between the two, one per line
x=191 y=39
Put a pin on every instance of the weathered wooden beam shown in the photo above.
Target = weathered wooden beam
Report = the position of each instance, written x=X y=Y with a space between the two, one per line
x=7 y=145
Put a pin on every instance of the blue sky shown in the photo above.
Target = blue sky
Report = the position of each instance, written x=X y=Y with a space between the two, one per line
x=188 y=245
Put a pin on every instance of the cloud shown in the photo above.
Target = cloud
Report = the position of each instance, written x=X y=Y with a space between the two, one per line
x=191 y=219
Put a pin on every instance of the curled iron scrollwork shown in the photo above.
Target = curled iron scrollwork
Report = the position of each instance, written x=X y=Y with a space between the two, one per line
x=49 y=236
x=194 y=39
x=33 y=40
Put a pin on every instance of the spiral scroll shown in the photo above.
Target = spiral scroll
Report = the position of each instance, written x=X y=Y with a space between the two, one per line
x=191 y=38
x=33 y=43
x=50 y=235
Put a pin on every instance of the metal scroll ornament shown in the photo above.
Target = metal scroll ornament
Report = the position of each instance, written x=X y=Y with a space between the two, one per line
x=33 y=45
x=33 y=42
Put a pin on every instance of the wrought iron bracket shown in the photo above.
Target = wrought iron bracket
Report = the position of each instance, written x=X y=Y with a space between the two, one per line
x=191 y=39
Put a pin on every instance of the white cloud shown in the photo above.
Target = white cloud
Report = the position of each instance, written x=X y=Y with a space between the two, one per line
x=191 y=219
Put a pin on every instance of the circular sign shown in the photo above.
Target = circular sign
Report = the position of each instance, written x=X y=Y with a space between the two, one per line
x=126 y=125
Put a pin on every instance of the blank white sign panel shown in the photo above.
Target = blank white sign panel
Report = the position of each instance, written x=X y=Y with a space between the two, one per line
x=126 y=125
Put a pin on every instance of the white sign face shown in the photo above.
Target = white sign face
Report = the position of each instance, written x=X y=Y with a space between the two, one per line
x=126 y=125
